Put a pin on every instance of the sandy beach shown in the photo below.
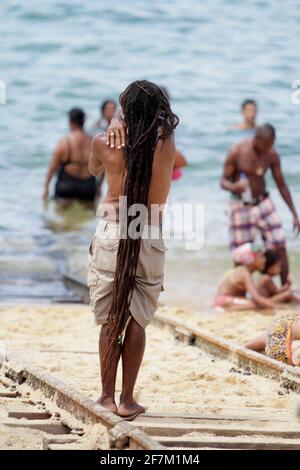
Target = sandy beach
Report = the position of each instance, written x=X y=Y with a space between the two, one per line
x=239 y=327
x=63 y=340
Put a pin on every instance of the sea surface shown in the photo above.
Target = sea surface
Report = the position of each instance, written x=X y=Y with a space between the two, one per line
x=210 y=55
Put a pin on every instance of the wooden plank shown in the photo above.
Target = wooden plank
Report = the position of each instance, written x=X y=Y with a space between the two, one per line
x=78 y=405
x=173 y=417
x=59 y=439
x=67 y=446
x=52 y=427
x=175 y=430
x=9 y=394
x=229 y=443
x=28 y=414
x=6 y=382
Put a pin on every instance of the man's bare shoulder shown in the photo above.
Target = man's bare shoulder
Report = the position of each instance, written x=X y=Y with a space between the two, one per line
x=246 y=144
x=234 y=152
x=274 y=155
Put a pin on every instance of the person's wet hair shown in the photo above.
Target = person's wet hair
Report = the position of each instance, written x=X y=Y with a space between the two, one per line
x=272 y=257
x=266 y=131
x=77 y=116
x=105 y=103
x=146 y=109
x=248 y=101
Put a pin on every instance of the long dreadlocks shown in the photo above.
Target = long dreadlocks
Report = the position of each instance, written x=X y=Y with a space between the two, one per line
x=145 y=109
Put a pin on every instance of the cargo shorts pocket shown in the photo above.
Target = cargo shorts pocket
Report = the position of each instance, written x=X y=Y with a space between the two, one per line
x=158 y=249
x=92 y=282
x=104 y=256
x=92 y=279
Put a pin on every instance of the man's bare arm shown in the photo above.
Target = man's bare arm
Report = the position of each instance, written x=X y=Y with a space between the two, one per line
x=284 y=190
x=98 y=147
x=237 y=187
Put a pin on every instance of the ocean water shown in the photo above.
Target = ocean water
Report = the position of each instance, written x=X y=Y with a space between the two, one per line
x=210 y=55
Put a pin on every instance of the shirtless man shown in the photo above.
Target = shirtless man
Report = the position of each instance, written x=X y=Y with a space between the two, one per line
x=249 y=111
x=253 y=158
x=126 y=274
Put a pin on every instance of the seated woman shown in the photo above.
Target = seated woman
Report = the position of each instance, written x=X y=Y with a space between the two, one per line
x=237 y=290
x=267 y=287
x=70 y=161
x=281 y=341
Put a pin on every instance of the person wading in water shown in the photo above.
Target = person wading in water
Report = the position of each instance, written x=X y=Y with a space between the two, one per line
x=125 y=274
x=70 y=162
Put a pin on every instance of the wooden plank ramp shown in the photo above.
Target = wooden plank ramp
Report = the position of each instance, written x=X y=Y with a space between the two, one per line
x=176 y=431
x=15 y=373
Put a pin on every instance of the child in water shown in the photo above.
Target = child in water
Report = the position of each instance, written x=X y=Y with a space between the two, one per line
x=237 y=290
x=266 y=286
x=281 y=341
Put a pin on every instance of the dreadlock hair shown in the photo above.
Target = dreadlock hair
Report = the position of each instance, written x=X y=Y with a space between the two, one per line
x=145 y=109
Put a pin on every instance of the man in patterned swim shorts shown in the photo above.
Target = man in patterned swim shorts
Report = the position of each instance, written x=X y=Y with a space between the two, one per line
x=253 y=158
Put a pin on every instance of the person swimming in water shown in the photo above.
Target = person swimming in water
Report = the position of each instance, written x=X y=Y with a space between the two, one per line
x=281 y=341
x=70 y=163
x=249 y=113
x=108 y=110
x=237 y=290
x=267 y=287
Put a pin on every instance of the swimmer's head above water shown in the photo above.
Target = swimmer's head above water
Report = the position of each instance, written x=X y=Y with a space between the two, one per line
x=249 y=111
x=108 y=110
x=76 y=118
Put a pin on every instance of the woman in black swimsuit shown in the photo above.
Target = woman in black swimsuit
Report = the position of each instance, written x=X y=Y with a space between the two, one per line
x=70 y=162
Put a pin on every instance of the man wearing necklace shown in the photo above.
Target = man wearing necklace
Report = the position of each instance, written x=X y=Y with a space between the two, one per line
x=244 y=172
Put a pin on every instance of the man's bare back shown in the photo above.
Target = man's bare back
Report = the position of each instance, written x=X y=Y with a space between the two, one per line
x=111 y=160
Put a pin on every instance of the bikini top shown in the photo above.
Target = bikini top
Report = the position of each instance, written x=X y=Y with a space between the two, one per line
x=80 y=162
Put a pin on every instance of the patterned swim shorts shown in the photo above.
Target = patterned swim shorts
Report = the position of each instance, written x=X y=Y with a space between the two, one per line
x=247 y=221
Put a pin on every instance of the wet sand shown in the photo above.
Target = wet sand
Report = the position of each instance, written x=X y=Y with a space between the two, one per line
x=174 y=378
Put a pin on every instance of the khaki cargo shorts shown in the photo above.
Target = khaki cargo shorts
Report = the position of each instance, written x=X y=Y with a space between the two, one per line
x=149 y=274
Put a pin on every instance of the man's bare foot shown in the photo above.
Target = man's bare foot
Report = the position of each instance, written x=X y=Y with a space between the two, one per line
x=130 y=410
x=108 y=403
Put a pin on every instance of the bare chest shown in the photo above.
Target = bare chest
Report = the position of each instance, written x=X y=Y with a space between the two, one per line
x=253 y=164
